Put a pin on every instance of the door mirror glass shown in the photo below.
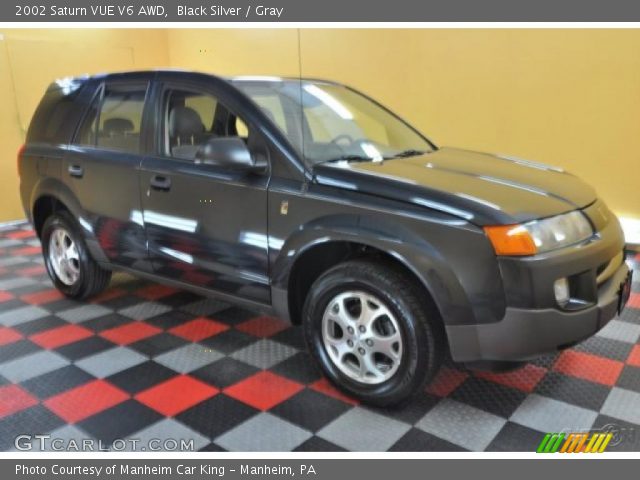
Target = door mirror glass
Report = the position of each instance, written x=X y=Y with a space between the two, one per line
x=230 y=153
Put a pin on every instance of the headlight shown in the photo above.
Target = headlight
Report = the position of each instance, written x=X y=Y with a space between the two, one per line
x=540 y=235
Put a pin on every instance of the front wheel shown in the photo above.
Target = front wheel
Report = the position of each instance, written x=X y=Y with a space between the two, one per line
x=67 y=259
x=373 y=332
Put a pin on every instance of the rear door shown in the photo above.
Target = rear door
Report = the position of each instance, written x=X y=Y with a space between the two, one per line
x=205 y=225
x=102 y=168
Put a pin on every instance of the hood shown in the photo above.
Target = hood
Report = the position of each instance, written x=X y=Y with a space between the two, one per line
x=481 y=188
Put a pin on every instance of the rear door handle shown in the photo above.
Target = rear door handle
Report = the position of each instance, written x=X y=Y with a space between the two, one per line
x=160 y=182
x=76 y=171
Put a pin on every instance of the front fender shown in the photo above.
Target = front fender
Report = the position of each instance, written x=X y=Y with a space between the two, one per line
x=411 y=250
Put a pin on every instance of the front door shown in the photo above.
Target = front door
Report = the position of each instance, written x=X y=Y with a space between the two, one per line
x=205 y=225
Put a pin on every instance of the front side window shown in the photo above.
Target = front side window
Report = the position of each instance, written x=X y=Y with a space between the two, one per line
x=191 y=119
x=328 y=122
x=114 y=120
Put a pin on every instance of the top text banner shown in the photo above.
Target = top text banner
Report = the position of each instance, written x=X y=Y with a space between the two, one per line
x=161 y=11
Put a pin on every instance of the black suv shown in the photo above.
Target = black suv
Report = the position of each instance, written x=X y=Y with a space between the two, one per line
x=307 y=200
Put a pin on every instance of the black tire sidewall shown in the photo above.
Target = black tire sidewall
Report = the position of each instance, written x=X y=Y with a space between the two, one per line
x=416 y=341
x=64 y=220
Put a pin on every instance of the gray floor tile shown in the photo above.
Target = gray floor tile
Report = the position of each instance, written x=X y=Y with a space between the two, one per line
x=362 y=430
x=9 y=242
x=144 y=310
x=264 y=353
x=16 y=282
x=549 y=415
x=112 y=361
x=621 y=331
x=188 y=358
x=623 y=404
x=83 y=313
x=22 y=315
x=33 y=365
x=263 y=433
x=13 y=260
x=168 y=434
x=462 y=424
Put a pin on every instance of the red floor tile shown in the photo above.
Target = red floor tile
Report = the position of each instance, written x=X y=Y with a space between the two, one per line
x=263 y=326
x=21 y=234
x=634 y=356
x=32 y=271
x=86 y=400
x=154 y=291
x=8 y=335
x=446 y=381
x=107 y=295
x=176 y=395
x=589 y=367
x=325 y=387
x=60 y=336
x=39 y=298
x=27 y=251
x=5 y=296
x=525 y=378
x=129 y=333
x=263 y=390
x=634 y=300
x=13 y=399
x=199 y=329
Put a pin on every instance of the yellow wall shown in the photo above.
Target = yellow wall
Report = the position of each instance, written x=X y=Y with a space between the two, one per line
x=31 y=59
x=568 y=97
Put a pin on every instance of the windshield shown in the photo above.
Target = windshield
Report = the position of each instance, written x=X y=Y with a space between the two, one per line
x=329 y=122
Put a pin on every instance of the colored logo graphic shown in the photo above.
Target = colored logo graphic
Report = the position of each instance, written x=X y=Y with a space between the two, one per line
x=583 y=442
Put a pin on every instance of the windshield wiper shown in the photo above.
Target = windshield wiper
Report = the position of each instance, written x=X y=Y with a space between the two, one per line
x=350 y=158
x=409 y=153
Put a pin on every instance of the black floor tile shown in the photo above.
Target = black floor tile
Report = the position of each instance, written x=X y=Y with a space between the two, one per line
x=224 y=372
x=576 y=391
x=90 y=346
x=215 y=416
x=416 y=440
x=489 y=396
x=58 y=381
x=310 y=410
x=119 y=422
x=299 y=367
x=516 y=438
x=141 y=377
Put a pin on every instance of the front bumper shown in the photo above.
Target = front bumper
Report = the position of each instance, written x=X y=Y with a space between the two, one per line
x=526 y=333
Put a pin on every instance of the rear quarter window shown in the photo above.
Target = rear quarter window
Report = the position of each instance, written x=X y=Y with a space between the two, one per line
x=57 y=114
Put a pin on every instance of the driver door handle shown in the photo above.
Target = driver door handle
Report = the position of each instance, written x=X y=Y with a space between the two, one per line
x=161 y=182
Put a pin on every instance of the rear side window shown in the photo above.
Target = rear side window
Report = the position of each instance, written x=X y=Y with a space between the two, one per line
x=114 y=119
x=57 y=114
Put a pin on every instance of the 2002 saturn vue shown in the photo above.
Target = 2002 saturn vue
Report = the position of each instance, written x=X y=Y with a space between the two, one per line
x=308 y=200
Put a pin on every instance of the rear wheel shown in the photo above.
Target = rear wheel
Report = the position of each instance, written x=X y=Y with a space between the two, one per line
x=372 y=331
x=67 y=259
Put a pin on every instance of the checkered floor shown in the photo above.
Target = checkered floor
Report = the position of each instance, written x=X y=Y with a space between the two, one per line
x=144 y=361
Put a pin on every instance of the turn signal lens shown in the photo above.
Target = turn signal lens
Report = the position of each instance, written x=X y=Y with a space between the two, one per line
x=18 y=157
x=511 y=240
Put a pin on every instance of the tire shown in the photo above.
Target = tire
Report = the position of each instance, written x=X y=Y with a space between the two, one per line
x=80 y=277
x=408 y=327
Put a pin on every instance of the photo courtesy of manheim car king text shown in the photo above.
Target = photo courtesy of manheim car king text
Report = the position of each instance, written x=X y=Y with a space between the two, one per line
x=298 y=239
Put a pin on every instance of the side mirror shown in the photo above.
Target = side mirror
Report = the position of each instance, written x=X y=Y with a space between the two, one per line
x=230 y=153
